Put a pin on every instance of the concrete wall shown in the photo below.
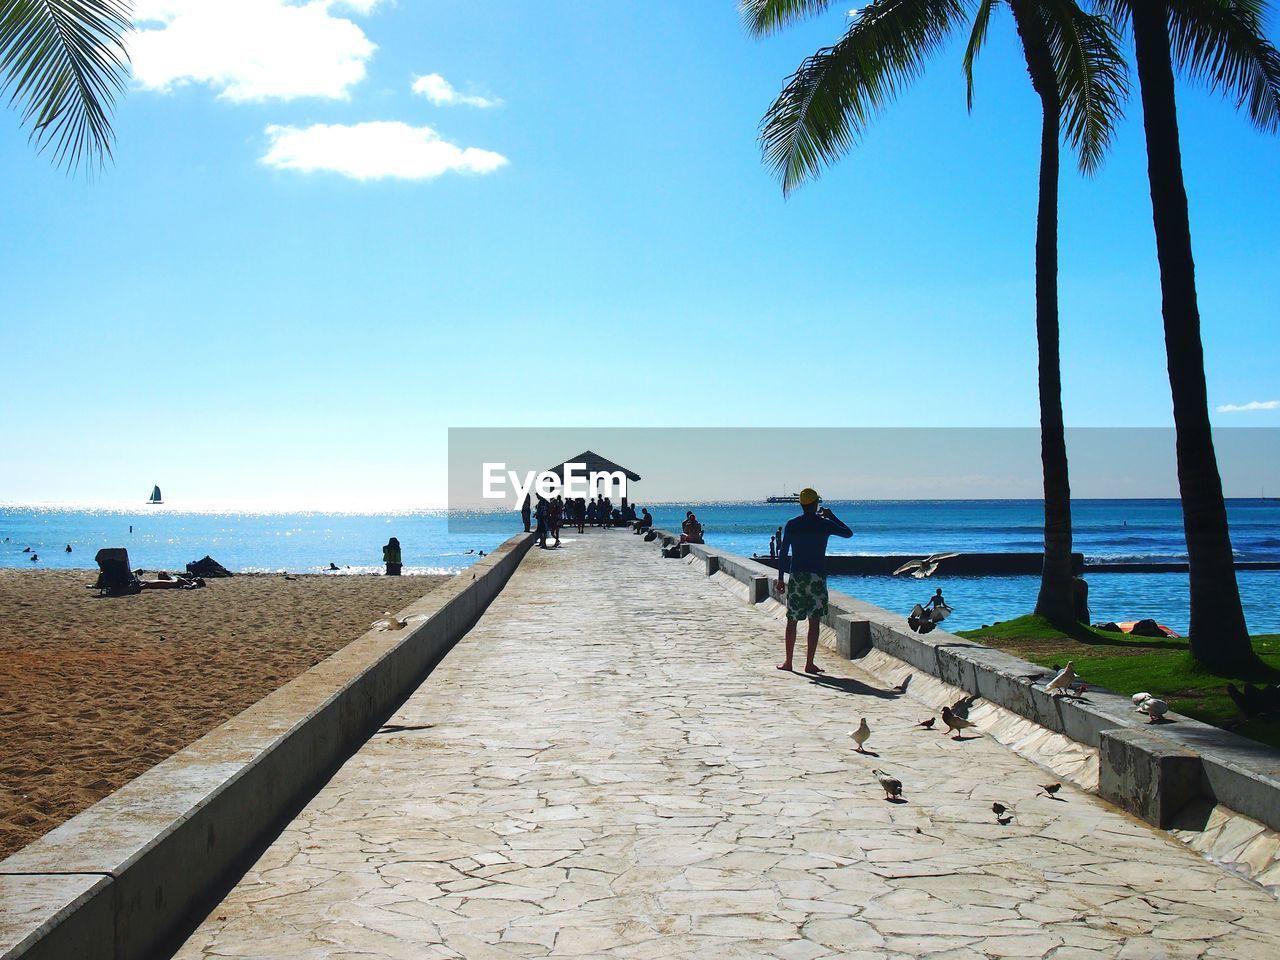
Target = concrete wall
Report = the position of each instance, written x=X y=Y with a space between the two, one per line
x=1151 y=771
x=137 y=870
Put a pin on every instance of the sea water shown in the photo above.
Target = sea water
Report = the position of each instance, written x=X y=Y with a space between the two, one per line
x=432 y=542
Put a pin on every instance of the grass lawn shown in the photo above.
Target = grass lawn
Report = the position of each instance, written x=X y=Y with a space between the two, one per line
x=1124 y=664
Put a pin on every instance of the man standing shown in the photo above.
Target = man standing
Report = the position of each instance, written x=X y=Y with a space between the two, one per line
x=805 y=539
x=526 y=510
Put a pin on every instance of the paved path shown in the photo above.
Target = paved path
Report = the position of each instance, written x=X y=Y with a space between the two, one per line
x=610 y=766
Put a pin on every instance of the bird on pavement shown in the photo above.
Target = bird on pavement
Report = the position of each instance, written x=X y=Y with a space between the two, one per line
x=1063 y=681
x=861 y=735
x=954 y=722
x=1051 y=788
x=892 y=785
x=902 y=687
x=926 y=567
x=961 y=707
x=1139 y=698
x=998 y=808
x=927 y=724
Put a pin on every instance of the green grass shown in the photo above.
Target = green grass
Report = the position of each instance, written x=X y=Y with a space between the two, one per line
x=1125 y=664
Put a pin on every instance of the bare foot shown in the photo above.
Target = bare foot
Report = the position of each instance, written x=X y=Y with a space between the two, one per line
x=785 y=666
x=814 y=668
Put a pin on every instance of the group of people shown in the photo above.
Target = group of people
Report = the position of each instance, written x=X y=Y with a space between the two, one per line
x=547 y=516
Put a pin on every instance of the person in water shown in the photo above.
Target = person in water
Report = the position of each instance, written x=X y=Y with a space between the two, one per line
x=391 y=557
x=68 y=548
x=937 y=603
x=802 y=552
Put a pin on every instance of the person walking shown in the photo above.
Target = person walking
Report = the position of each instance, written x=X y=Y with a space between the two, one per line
x=802 y=552
x=540 y=514
x=391 y=557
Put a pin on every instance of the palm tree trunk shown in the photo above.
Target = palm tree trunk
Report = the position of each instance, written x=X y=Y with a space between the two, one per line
x=1218 y=635
x=1056 y=600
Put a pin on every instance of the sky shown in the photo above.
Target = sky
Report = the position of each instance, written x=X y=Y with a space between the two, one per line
x=333 y=229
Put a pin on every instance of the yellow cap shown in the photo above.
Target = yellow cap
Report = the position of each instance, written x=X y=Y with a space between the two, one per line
x=808 y=495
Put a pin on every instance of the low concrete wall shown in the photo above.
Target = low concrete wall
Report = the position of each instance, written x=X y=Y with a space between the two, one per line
x=1151 y=771
x=136 y=870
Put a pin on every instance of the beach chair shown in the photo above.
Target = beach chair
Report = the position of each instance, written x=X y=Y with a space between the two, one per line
x=115 y=577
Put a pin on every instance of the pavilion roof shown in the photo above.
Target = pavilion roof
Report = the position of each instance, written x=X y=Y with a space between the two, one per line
x=594 y=463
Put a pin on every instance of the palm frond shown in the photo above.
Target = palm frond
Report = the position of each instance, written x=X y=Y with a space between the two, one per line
x=977 y=37
x=1223 y=43
x=763 y=17
x=1092 y=77
x=65 y=62
x=830 y=100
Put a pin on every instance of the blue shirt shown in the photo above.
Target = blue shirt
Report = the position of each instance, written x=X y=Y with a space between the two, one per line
x=805 y=538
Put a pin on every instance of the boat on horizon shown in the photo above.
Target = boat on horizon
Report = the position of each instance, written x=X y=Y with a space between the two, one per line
x=784 y=498
x=155 y=495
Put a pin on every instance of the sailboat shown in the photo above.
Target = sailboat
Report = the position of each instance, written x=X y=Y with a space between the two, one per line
x=155 y=495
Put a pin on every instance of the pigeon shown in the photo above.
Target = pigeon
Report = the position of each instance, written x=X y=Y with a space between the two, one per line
x=892 y=785
x=927 y=724
x=961 y=707
x=1051 y=788
x=926 y=567
x=1063 y=681
x=1139 y=698
x=861 y=735
x=955 y=722
x=1154 y=708
x=998 y=809
x=902 y=687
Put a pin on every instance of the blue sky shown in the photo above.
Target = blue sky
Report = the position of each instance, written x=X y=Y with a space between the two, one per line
x=217 y=312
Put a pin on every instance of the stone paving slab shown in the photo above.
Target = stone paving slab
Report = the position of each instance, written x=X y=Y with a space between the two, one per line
x=610 y=766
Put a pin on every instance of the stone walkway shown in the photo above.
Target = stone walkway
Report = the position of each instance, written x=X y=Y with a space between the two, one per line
x=610 y=766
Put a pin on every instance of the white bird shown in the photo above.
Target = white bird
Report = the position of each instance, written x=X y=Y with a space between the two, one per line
x=926 y=567
x=892 y=786
x=861 y=735
x=390 y=622
x=1063 y=681
x=1140 y=698
x=1154 y=708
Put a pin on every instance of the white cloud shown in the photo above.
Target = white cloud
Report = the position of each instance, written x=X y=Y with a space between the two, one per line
x=373 y=151
x=251 y=49
x=441 y=92
x=1246 y=407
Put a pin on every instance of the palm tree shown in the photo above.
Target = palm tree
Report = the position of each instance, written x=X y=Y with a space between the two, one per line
x=1078 y=74
x=64 y=61
x=1222 y=42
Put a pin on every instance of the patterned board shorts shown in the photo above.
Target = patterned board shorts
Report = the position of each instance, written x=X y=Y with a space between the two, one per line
x=806 y=596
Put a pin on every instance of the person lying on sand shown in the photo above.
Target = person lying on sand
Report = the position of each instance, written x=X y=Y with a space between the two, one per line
x=173 y=583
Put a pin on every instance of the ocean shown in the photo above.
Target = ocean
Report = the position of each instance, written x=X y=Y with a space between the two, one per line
x=1116 y=530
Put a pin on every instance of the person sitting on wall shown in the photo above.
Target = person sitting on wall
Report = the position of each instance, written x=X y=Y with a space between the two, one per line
x=691 y=529
x=645 y=522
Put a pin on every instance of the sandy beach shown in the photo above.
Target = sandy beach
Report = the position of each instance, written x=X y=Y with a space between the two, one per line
x=95 y=691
